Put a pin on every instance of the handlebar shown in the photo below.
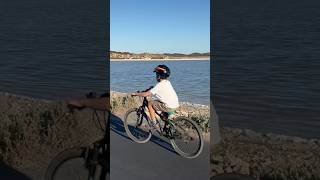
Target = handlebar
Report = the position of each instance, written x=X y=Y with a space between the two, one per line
x=91 y=101
x=145 y=89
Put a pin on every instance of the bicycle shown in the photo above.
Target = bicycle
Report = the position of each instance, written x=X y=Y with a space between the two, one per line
x=179 y=130
x=85 y=161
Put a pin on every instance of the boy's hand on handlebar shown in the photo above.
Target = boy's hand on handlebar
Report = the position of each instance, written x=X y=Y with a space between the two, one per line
x=143 y=93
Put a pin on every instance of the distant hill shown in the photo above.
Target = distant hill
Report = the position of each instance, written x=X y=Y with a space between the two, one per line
x=128 y=55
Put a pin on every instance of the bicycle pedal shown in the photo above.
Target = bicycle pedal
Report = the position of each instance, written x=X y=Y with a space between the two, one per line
x=147 y=127
x=166 y=135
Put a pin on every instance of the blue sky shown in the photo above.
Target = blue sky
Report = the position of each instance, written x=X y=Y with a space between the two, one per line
x=159 y=26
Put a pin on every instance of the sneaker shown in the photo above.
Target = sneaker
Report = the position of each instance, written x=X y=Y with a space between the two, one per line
x=155 y=124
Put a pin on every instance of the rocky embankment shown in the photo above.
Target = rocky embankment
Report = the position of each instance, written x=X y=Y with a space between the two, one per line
x=122 y=102
x=266 y=156
x=33 y=131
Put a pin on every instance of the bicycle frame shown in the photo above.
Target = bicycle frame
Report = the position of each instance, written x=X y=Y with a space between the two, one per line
x=162 y=116
x=94 y=156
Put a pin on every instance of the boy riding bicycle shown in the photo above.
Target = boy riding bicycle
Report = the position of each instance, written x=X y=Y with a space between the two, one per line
x=166 y=99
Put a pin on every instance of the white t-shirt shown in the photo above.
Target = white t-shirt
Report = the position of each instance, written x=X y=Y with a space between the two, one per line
x=165 y=93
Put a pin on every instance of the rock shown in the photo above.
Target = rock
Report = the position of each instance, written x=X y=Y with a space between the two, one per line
x=313 y=142
x=273 y=156
x=217 y=168
x=248 y=132
x=217 y=158
x=299 y=140
x=228 y=170
x=271 y=136
x=244 y=168
x=236 y=131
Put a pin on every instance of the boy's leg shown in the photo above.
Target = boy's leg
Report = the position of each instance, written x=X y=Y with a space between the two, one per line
x=151 y=110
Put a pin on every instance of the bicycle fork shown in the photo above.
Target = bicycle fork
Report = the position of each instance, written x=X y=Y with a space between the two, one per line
x=92 y=161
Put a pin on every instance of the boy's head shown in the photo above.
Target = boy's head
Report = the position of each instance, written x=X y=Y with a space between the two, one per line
x=162 y=72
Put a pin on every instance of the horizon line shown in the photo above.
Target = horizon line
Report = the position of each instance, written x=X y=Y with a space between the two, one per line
x=160 y=52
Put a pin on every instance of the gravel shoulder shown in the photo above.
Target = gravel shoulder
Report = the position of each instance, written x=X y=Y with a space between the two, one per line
x=266 y=156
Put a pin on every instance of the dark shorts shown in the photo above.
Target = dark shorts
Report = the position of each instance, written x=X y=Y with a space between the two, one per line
x=160 y=106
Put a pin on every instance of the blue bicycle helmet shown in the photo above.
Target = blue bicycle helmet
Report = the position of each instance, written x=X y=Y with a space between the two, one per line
x=162 y=72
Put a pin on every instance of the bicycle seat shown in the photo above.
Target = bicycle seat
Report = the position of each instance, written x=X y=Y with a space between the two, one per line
x=171 y=114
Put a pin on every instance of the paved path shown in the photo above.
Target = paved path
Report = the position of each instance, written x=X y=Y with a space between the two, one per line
x=155 y=160
x=9 y=173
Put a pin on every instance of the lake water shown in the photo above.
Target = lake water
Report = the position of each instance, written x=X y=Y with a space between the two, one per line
x=53 y=49
x=267 y=65
x=191 y=79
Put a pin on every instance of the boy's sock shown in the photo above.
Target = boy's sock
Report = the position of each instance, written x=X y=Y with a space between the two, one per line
x=155 y=124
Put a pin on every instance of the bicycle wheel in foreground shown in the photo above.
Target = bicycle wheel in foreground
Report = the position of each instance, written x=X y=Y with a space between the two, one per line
x=70 y=165
x=134 y=124
x=187 y=138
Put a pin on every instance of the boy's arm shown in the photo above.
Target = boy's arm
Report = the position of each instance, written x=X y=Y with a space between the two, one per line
x=143 y=94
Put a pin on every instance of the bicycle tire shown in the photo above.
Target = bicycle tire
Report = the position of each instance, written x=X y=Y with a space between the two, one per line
x=58 y=162
x=198 y=135
x=133 y=131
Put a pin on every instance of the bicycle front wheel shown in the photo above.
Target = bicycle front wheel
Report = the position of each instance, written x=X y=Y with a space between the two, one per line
x=136 y=127
x=186 y=139
x=71 y=165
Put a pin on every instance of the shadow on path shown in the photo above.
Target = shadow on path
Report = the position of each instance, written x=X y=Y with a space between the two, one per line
x=7 y=172
x=116 y=125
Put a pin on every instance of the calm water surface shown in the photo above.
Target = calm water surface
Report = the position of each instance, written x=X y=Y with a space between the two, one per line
x=190 y=78
x=267 y=65
x=53 y=49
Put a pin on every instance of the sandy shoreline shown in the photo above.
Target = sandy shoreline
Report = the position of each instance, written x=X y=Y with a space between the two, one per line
x=183 y=59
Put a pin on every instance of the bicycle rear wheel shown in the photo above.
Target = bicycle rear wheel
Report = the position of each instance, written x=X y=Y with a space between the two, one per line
x=134 y=126
x=70 y=165
x=186 y=139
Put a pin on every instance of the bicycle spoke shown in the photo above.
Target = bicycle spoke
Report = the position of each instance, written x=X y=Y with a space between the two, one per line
x=134 y=126
x=72 y=169
x=186 y=135
x=187 y=138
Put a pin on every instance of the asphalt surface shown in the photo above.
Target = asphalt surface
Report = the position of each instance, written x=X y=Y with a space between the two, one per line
x=9 y=173
x=154 y=160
